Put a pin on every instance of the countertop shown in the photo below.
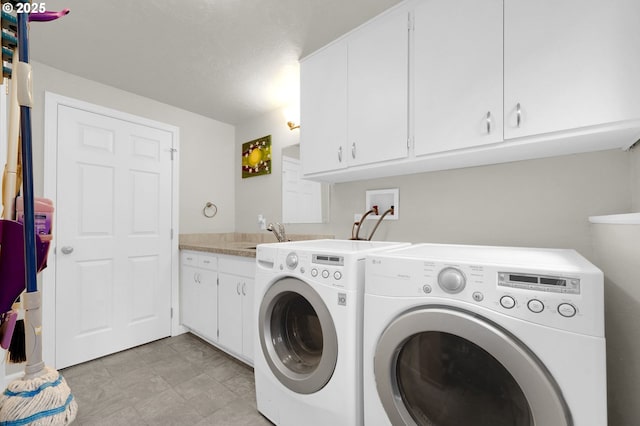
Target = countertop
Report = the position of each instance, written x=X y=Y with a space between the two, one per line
x=235 y=243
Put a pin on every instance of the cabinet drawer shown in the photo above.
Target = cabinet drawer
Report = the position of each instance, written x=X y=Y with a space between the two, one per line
x=207 y=261
x=238 y=266
x=188 y=258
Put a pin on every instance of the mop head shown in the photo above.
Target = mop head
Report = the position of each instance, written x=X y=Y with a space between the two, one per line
x=42 y=400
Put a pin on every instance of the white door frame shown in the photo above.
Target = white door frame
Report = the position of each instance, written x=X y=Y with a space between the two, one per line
x=48 y=283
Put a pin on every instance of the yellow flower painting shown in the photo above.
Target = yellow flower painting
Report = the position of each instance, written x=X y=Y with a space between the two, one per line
x=256 y=157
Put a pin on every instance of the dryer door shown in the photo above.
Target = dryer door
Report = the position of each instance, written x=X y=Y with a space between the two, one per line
x=297 y=336
x=447 y=367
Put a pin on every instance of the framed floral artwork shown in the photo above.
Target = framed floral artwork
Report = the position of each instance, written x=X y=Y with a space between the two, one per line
x=256 y=157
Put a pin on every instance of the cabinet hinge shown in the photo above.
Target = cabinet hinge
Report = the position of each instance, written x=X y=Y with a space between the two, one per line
x=218 y=333
x=171 y=314
x=172 y=151
x=410 y=22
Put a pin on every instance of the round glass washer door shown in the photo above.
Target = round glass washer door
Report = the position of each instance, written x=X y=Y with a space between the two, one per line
x=439 y=366
x=297 y=336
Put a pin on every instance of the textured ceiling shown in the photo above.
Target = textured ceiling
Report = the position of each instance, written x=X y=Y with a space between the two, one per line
x=230 y=60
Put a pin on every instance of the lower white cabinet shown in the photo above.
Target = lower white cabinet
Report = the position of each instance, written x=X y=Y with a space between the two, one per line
x=198 y=280
x=217 y=300
x=235 y=305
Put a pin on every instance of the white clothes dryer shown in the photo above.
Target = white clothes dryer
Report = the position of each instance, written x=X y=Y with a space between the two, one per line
x=308 y=357
x=483 y=336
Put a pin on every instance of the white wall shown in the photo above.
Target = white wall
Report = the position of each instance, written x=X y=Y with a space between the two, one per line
x=206 y=145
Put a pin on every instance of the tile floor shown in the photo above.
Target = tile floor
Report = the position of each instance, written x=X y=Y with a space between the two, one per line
x=179 y=380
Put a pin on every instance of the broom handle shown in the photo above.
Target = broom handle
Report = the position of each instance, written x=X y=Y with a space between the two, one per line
x=33 y=313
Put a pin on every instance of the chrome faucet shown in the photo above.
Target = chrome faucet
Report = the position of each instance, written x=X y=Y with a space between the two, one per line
x=278 y=231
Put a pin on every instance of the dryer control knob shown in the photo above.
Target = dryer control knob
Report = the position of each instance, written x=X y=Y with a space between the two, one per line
x=451 y=280
x=292 y=260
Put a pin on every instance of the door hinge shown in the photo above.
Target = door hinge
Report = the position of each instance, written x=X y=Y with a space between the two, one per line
x=172 y=150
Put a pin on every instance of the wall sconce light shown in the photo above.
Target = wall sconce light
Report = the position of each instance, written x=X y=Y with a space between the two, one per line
x=292 y=125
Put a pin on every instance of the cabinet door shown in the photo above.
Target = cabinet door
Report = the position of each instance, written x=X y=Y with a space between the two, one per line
x=208 y=303
x=569 y=64
x=230 y=312
x=190 y=297
x=199 y=303
x=323 y=110
x=248 y=318
x=457 y=74
x=378 y=61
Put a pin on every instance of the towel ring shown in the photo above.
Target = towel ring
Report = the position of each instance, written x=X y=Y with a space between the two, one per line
x=210 y=210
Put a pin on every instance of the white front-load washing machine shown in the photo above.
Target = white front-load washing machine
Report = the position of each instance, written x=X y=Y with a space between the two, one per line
x=483 y=336
x=308 y=304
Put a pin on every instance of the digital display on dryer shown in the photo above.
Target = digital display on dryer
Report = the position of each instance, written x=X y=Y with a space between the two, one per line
x=523 y=278
x=553 y=281
x=328 y=259
x=539 y=282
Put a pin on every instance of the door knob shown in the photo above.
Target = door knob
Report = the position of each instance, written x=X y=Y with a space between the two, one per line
x=66 y=250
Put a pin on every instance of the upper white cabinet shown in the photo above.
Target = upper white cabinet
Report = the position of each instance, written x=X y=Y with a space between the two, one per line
x=378 y=58
x=570 y=64
x=323 y=110
x=457 y=66
x=489 y=81
x=354 y=98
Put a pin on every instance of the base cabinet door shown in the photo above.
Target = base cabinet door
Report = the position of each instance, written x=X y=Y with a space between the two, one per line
x=199 y=294
x=230 y=312
x=248 y=318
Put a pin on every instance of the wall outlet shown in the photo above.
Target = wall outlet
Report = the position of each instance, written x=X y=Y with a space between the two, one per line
x=262 y=222
x=384 y=199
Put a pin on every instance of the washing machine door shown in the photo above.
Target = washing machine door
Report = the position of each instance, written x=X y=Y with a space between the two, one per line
x=297 y=336
x=446 y=367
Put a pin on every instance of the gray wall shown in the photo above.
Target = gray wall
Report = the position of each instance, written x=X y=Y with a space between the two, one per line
x=617 y=253
x=206 y=145
x=541 y=203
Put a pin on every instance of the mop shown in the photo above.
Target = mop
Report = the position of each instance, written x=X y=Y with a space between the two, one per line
x=41 y=396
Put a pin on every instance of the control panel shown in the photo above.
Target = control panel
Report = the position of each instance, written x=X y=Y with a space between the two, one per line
x=326 y=268
x=553 y=298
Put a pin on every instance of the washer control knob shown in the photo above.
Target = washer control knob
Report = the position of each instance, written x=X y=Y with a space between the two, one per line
x=337 y=275
x=314 y=272
x=507 y=302
x=426 y=288
x=566 y=310
x=325 y=273
x=292 y=260
x=477 y=296
x=535 y=306
x=451 y=280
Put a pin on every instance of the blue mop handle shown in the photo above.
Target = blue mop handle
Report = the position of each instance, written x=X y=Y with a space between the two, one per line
x=31 y=263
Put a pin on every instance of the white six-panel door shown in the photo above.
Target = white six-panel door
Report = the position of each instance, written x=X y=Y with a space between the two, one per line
x=113 y=261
